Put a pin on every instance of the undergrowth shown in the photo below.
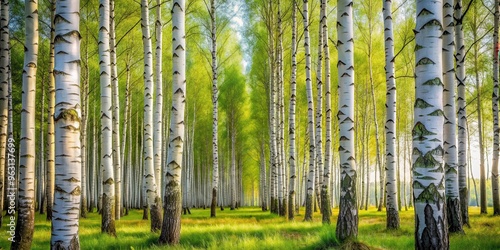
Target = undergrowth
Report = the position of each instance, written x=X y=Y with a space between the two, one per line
x=250 y=228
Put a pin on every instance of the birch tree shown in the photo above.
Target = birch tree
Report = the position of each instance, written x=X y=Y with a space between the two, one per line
x=450 y=131
x=496 y=139
x=117 y=163
x=319 y=114
x=50 y=119
x=347 y=222
x=431 y=230
x=291 y=122
x=325 y=195
x=310 y=115
x=282 y=198
x=158 y=109
x=392 y=208
x=4 y=88
x=107 y=171
x=171 y=228
x=26 y=201
x=150 y=185
x=66 y=210
x=83 y=138
x=215 y=109
x=462 y=112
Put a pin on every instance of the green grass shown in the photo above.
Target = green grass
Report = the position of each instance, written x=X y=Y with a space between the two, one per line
x=250 y=228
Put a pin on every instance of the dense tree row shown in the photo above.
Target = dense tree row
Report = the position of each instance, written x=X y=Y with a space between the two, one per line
x=245 y=114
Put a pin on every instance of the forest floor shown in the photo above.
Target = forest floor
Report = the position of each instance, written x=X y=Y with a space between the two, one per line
x=250 y=228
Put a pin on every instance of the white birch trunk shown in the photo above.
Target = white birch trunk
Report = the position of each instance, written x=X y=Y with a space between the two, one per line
x=49 y=190
x=66 y=210
x=158 y=109
x=83 y=138
x=310 y=116
x=4 y=92
x=117 y=159
x=450 y=126
x=232 y=132
x=107 y=171
x=40 y=175
x=281 y=125
x=126 y=137
x=325 y=194
x=215 y=110
x=431 y=229
x=263 y=179
x=291 y=122
x=171 y=228
x=392 y=209
x=26 y=201
x=347 y=223
x=496 y=140
x=319 y=118
x=153 y=200
x=462 y=112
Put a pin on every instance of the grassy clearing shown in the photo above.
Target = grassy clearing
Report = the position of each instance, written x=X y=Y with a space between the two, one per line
x=249 y=228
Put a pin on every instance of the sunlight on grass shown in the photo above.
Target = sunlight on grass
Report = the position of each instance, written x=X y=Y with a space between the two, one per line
x=250 y=228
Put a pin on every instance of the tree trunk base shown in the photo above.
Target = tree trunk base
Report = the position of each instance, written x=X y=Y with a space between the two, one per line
x=392 y=218
x=326 y=210
x=108 y=215
x=347 y=223
x=454 y=216
x=83 y=208
x=156 y=216
x=464 y=206
x=49 y=214
x=291 y=206
x=171 y=228
x=24 y=229
x=145 y=213
x=73 y=244
x=309 y=208
x=213 y=205
x=434 y=235
x=274 y=205
x=186 y=210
